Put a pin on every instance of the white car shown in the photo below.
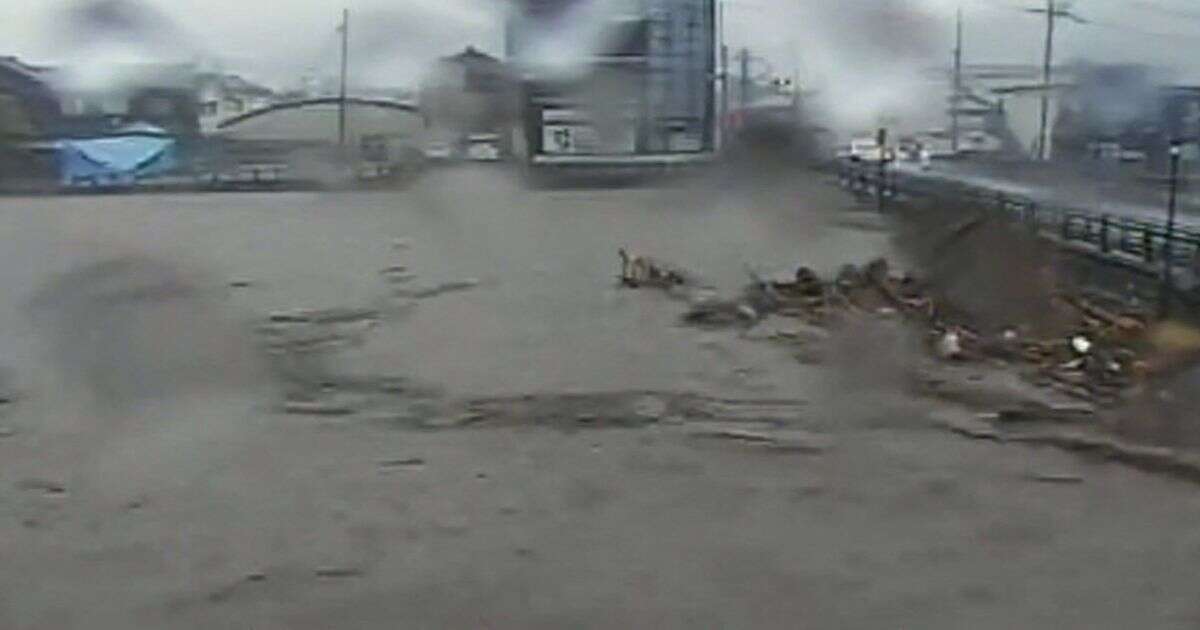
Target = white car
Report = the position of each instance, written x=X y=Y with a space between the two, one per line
x=865 y=150
x=439 y=151
x=483 y=148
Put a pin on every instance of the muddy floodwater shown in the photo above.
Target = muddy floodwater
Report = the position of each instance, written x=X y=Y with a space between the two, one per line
x=553 y=451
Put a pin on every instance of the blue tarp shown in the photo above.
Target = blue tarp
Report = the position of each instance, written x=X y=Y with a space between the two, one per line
x=115 y=160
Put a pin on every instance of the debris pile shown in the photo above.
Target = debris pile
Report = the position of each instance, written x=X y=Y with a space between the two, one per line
x=1097 y=360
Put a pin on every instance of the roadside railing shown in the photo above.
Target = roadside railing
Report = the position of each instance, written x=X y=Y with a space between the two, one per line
x=1135 y=243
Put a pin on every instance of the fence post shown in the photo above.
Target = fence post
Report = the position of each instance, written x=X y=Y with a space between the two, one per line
x=1104 y=233
x=1066 y=227
x=1147 y=244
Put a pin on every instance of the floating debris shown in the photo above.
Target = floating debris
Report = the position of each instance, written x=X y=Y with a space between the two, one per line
x=422 y=293
x=409 y=462
x=1055 y=478
x=639 y=271
x=781 y=439
x=455 y=422
x=290 y=317
x=316 y=408
x=949 y=345
x=339 y=572
x=49 y=488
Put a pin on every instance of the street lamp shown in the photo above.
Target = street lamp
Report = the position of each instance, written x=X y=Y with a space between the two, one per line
x=881 y=139
x=1176 y=152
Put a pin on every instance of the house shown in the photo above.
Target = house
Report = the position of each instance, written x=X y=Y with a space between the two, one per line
x=98 y=99
x=28 y=108
x=223 y=96
x=28 y=105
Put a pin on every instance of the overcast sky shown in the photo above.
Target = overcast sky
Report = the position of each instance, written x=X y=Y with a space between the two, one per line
x=873 y=45
x=395 y=37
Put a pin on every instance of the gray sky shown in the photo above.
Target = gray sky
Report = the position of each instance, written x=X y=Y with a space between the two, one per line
x=857 y=51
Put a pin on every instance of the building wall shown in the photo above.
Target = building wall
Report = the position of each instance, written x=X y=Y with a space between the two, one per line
x=650 y=68
x=680 y=64
x=29 y=102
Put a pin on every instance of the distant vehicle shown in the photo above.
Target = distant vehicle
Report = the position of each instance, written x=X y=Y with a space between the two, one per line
x=935 y=145
x=439 y=151
x=1113 y=151
x=1130 y=155
x=979 y=142
x=865 y=150
x=484 y=147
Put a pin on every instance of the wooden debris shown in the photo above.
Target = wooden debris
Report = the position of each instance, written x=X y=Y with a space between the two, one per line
x=408 y=462
x=775 y=439
x=45 y=486
x=973 y=428
x=1064 y=478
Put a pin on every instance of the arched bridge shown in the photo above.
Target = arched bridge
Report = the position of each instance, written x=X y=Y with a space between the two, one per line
x=325 y=100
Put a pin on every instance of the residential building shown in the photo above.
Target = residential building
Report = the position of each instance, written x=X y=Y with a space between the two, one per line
x=614 y=83
x=28 y=105
x=97 y=100
x=222 y=96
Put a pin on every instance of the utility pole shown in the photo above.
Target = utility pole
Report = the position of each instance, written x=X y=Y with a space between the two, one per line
x=881 y=183
x=724 y=75
x=1047 y=68
x=345 y=30
x=724 y=92
x=1053 y=12
x=956 y=98
x=744 y=97
x=1168 y=283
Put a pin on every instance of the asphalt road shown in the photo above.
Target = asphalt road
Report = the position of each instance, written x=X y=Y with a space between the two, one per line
x=1099 y=187
x=148 y=479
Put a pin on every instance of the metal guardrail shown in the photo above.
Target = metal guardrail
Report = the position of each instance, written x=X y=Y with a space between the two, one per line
x=1141 y=244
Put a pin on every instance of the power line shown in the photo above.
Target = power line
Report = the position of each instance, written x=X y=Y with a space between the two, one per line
x=956 y=100
x=1118 y=26
x=1166 y=11
x=1126 y=28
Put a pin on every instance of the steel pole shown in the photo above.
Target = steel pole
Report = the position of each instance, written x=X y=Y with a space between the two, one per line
x=1168 y=284
x=342 y=89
